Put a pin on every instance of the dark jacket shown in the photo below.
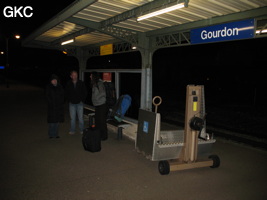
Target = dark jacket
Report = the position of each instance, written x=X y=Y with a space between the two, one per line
x=76 y=94
x=55 y=101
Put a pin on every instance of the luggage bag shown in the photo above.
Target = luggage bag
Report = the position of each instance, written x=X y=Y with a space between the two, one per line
x=91 y=140
x=121 y=107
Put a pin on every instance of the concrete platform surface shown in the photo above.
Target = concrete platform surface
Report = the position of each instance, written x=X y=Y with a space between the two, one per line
x=35 y=167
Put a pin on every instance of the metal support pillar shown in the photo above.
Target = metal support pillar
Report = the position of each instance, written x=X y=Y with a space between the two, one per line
x=117 y=84
x=82 y=59
x=146 y=79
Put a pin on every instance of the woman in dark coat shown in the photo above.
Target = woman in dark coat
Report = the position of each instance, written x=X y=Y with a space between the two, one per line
x=55 y=101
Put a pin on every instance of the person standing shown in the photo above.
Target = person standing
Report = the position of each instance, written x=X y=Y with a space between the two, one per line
x=76 y=93
x=55 y=100
x=99 y=101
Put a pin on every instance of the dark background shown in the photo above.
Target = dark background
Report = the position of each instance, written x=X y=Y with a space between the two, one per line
x=29 y=63
x=233 y=73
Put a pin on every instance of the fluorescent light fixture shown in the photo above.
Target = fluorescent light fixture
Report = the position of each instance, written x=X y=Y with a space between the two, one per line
x=67 y=42
x=246 y=28
x=159 y=12
x=261 y=31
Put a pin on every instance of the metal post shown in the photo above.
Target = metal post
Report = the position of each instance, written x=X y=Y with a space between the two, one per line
x=119 y=134
x=82 y=67
x=146 y=82
x=82 y=59
x=117 y=84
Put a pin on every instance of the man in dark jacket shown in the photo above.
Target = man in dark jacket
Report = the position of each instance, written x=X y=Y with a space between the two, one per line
x=76 y=93
x=55 y=101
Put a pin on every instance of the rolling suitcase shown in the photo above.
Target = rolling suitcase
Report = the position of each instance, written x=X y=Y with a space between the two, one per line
x=91 y=140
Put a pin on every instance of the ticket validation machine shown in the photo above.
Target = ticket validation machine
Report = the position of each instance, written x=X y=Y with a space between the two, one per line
x=178 y=149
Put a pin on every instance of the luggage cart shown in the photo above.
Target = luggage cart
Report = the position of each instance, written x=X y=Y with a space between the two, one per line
x=178 y=149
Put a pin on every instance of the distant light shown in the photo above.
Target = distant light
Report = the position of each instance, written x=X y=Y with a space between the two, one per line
x=17 y=37
x=159 y=12
x=134 y=47
x=67 y=42
x=2 y=53
x=2 y=67
x=65 y=52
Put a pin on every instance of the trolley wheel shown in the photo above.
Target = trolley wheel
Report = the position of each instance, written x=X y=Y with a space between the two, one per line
x=216 y=161
x=164 y=167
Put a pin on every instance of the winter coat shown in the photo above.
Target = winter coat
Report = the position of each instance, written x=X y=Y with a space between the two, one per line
x=76 y=93
x=55 y=101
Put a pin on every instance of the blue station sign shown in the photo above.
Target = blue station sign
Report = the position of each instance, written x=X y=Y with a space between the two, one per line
x=223 y=32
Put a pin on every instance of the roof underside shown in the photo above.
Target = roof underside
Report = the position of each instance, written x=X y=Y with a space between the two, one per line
x=93 y=23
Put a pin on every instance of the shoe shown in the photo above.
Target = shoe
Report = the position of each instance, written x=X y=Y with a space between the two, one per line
x=71 y=133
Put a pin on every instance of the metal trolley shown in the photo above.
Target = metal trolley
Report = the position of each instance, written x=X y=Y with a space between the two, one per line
x=178 y=149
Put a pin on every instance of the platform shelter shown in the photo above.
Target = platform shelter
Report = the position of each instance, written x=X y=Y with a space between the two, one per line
x=88 y=28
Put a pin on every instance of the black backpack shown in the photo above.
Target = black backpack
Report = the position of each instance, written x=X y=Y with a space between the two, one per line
x=110 y=94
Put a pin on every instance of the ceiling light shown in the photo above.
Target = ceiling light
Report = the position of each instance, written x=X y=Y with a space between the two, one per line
x=159 y=12
x=67 y=42
x=261 y=31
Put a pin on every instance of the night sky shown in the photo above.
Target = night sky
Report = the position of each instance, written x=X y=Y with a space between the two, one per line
x=42 y=12
x=28 y=58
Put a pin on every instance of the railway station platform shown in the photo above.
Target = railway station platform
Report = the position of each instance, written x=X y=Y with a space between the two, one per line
x=35 y=167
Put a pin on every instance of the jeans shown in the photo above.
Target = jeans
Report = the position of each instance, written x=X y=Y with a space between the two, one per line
x=53 y=129
x=76 y=108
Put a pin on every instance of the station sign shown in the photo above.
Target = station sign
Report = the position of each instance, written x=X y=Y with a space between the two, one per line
x=224 y=32
x=106 y=49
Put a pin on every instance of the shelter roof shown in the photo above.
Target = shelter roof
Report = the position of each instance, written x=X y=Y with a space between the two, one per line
x=97 y=22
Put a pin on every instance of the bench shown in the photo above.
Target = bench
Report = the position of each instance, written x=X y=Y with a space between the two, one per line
x=120 y=125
